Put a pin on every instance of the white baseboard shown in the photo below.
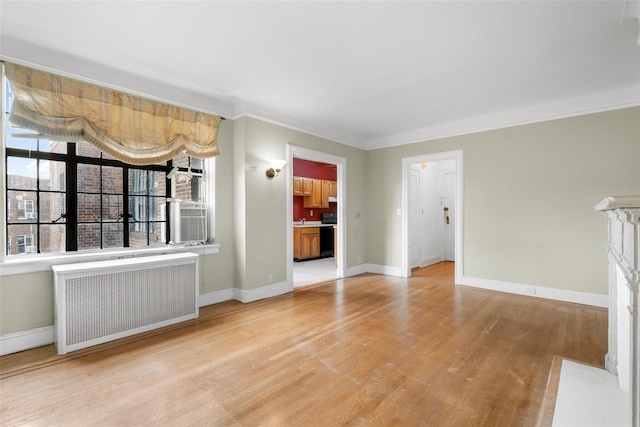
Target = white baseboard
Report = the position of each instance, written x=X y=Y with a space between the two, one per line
x=215 y=297
x=577 y=297
x=385 y=269
x=596 y=300
x=354 y=271
x=25 y=340
x=267 y=291
x=375 y=269
x=38 y=337
x=425 y=262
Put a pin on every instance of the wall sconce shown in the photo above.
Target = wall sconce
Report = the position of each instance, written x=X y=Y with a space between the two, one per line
x=276 y=166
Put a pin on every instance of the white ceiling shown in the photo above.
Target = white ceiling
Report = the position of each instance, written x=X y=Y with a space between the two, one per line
x=368 y=74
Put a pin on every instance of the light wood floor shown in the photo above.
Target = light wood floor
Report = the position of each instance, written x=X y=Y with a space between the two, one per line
x=368 y=350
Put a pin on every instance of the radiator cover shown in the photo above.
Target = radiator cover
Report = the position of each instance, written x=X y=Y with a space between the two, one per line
x=96 y=302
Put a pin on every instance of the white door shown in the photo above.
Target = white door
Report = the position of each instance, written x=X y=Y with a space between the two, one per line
x=415 y=215
x=448 y=214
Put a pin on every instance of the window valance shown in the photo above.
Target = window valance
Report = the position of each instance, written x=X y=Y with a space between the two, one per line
x=133 y=129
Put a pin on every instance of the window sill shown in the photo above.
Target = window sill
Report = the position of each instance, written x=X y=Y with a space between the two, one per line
x=37 y=263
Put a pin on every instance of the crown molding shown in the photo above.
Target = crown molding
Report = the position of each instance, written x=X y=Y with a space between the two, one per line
x=58 y=59
x=615 y=99
x=631 y=10
x=55 y=58
x=343 y=138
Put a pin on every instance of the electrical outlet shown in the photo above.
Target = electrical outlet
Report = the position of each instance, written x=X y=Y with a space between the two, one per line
x=270 y=278
x=359 y=259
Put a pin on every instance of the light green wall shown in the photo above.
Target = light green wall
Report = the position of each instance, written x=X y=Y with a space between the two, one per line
x=239 y=205
x=26 y=302
x=263 y=233
x=529 y=193
x=217 y=271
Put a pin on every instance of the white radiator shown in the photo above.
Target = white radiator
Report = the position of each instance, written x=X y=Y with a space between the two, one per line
x=96 y=302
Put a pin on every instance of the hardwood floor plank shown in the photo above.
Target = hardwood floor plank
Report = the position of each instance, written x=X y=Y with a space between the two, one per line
x=368 y=350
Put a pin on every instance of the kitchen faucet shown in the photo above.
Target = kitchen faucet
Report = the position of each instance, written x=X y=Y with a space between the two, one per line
x=301 y=220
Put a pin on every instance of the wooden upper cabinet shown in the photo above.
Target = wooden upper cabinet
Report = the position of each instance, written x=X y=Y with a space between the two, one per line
x=324 y=194
x=333 y=189
x=316 y=192
x=313 y=201
x=297 y=186
x=302 y=186
x=307 y=186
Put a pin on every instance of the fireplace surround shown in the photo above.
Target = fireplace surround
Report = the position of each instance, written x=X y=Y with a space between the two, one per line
x=623 y=357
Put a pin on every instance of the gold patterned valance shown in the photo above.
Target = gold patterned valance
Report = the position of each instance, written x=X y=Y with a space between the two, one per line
x=131 y=128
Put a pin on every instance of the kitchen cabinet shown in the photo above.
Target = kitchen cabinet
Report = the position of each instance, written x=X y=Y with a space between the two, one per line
x=313 y=201
x=316 y=192
x=297 y=186
x=324 y=194
x=320 y=193
x=333 y=189
x=307 y=186
x=306 y=242
x=302 y=186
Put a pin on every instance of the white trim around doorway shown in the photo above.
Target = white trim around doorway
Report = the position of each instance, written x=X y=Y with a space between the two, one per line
x=341 y=164
x=457 y=156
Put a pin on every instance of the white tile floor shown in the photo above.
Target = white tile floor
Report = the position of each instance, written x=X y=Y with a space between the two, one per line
x=315 y=271
x=589 y=396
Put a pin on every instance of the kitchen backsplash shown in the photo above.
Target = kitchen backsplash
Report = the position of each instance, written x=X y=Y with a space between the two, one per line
x=301 y=212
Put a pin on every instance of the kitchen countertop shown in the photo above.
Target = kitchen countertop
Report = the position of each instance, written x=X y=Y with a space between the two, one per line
x=312 y=224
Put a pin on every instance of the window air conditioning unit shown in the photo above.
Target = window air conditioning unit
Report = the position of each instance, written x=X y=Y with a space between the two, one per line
x=30 y=249
x=30 y=215
x=188 y=221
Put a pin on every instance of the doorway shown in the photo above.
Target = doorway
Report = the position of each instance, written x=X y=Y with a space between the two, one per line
x=318 y=270
x=431 y=212
x=432 y=199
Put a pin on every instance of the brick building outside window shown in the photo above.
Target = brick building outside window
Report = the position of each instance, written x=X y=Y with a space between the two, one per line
x=69 y=196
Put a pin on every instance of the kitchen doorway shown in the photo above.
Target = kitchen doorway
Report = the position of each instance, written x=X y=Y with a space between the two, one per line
x=432 y=200
x=312 y=264
x=314 y=271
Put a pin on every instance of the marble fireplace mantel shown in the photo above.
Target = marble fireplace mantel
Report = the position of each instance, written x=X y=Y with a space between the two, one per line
x=623 y=357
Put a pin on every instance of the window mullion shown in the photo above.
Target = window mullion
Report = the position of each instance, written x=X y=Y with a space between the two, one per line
x=125 y=206
x=37 y=203
x=71 y=198
x=71 y=164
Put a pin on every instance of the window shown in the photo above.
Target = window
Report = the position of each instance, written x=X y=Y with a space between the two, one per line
x=25 y=209
x=68 y=196
x=25 y=244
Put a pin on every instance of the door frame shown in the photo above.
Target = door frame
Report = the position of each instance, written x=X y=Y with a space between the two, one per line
x=341 y=166
x=457 y=156
x=411 y=213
